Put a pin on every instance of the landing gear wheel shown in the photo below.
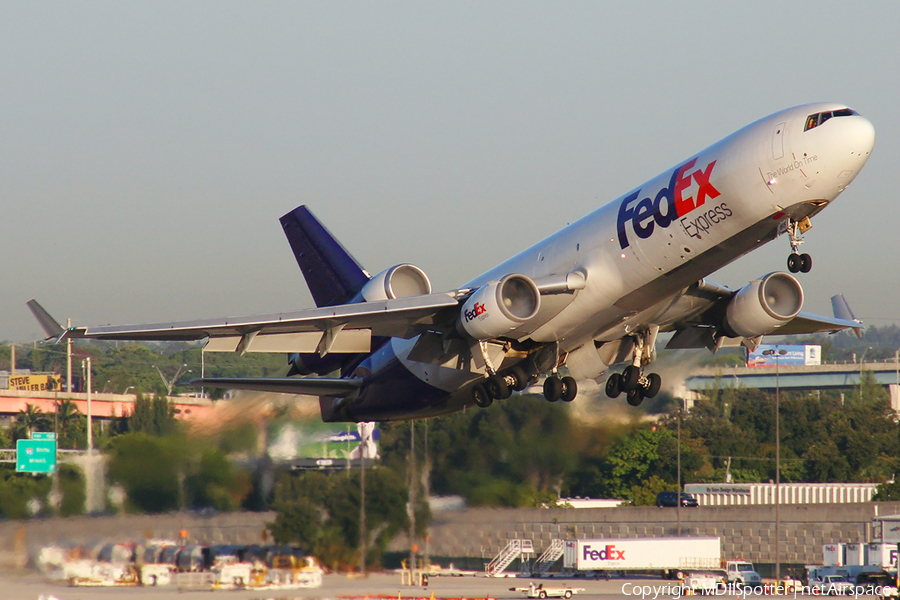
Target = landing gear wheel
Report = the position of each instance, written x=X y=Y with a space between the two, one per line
x=654 y=382
x=552 y=388
x=569 y=389
x=805 y=263
x=521 y=378
x=630 y=377
x=480 y=396
x=614 y=385
x=635 y=397
x=497 y=387
x=794 y=262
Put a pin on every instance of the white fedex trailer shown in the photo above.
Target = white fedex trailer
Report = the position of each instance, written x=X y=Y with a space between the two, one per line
x=674 y=557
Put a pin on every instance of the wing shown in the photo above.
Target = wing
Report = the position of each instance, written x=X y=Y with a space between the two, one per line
x=708 y=302
x=343 y=328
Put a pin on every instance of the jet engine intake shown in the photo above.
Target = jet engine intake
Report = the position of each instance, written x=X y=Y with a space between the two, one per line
x=763 y=305
x=499 y=307
x=400 y=281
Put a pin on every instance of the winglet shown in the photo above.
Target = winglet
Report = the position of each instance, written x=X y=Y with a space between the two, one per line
x=842 y=310
x=50 y=326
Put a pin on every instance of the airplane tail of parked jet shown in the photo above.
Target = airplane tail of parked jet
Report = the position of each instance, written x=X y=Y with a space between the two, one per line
x=332 y=274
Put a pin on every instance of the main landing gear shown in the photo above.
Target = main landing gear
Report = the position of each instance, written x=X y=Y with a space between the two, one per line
x=500 y=387
x=634 y=383
x=796 y=262
x=556 y=388
x=632 y=380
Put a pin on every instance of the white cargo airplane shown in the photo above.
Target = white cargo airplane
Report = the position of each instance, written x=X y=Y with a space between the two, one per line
x=594 y=294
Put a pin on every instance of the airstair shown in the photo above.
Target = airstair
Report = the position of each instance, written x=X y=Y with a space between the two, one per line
x=552 y=554
x=513 y=550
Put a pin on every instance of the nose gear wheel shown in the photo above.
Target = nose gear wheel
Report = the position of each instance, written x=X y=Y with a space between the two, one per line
x=796 y=262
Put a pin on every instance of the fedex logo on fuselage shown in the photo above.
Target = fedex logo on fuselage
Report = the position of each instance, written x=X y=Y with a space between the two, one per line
x=608 y=552
x=668 y=204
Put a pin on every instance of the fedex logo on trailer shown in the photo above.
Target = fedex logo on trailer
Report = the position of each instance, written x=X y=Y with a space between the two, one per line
x=608 y=552
x=670 y=203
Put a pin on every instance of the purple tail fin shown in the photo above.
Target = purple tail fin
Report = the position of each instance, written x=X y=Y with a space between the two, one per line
x=333 y=276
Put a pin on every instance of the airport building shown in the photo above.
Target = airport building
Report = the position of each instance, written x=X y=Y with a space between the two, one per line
x=745 y=494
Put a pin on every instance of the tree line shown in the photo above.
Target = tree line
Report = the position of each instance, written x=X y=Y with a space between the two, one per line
x=521 y=452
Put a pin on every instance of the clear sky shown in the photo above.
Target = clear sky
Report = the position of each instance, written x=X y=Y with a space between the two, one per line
x=147 y=149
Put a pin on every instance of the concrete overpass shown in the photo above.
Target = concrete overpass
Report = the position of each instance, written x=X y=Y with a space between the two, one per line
x=104 y=407
x=832 y=376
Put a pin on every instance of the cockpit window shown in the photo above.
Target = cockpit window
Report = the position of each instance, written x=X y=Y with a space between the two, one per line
x=819 y=118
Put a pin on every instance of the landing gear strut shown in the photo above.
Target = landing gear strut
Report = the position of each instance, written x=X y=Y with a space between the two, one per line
x=632 y=380
x=796 y=262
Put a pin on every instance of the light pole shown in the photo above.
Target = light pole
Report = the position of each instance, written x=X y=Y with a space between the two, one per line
x=777 y=353
x=861 y=363
x=678 y=472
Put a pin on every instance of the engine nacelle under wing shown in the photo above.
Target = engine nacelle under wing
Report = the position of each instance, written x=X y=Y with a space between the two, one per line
x=400 y=281
x=499 y=307
x=762 y=305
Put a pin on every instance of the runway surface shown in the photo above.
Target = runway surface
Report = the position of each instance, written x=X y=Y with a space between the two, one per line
x=31 y=586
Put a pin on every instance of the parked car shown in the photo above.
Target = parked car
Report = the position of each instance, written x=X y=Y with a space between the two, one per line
x=671 y=499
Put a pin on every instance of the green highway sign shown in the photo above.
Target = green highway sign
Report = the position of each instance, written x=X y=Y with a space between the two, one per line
x=43 y=435
x=36 y=456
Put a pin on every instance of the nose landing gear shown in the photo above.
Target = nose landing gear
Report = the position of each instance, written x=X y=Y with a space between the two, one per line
x=796 y=262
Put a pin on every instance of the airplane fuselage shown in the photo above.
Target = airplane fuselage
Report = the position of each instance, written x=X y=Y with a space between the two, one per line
x=636 y=254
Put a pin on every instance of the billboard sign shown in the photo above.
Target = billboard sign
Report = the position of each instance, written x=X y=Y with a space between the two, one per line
x=35 y=383
x=793 y=355
x=322 y=445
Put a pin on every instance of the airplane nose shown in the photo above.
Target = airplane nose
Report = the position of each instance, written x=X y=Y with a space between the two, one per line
x=861 y=137
x=851 y=143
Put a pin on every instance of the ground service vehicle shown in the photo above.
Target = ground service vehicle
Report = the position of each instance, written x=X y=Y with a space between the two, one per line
x=741 y=571
x=541 y=591
x=705 y=582
x=835 y=585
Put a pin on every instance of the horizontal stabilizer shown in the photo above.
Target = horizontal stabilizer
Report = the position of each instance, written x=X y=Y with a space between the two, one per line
x=50 y=326
x=307 y=386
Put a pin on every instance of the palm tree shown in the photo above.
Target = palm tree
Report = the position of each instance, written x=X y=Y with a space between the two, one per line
x=30 y=419
x=67 y=415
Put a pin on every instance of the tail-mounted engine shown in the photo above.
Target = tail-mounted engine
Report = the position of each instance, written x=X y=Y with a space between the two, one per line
x=400 y=281
x=499 y=307
x=762 y=305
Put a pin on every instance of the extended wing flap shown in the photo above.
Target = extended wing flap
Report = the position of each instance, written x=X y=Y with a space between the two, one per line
x=306 y=386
